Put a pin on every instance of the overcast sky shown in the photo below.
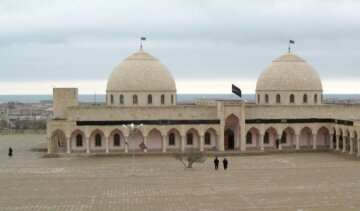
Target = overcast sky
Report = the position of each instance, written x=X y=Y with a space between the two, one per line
x=213 y=42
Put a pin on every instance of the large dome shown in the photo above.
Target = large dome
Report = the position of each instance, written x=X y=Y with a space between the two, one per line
x=141 y=72
x=289 y=73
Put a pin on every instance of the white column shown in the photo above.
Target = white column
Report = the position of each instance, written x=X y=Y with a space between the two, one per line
x=126 y=147
x=261 y=136
x=68 y=146
x=107 y=144
x=49 y=150
x=145 y=142
x=351 y=146
x=297 y=141
x=87 y=145
x=331 y=141
x=201 y=143
x=314 y=140
x=337 y=142
x=358 y=147
x=182 y=143
x=164 y=143
x=344 y=144
x=279 y=138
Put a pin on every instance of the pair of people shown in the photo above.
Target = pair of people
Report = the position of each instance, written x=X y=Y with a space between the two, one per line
x=216 y=162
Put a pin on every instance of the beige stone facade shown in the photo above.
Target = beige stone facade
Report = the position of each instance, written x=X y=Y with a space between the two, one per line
x=288 y=113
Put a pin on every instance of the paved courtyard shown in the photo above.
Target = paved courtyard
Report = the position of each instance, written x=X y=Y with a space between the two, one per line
x=295 y=181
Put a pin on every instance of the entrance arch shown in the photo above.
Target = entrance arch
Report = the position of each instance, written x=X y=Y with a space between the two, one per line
x=58 y=140
x=229 y=142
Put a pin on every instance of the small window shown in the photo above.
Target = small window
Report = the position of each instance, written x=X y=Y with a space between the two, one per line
x=116 y=140
x=172 y=99
x=258 y=98
x=121 y=99
x=249 y=138
x=292 y=98
x=189 y=139
x=135 y=99
x=266 y=98
x=162 y=99
x=149 y=99
x=305 y=98
x=283 y=138
x=207 y=138
x=98 y=140
x=278 y=99
x=171 y=139
x=111 y=99
x=315 y=98
x=266 y=138
x=79 y=140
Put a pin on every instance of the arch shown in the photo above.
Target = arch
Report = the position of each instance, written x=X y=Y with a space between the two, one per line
x=231 y=132
x=340 y=137
x=305 y=100
x=210 y=140
x=111 y=99
x=192 y=138
x=149 y=99
x=347 y=140
x=177 y=138
x=162 y=99
x=154 y=139
x=97 y=140
x=135 y=99
x=134 y=140
x=292 y=98
x=58 y=140
x=266 y=98
x=252 y=137
x=354 y=140
x=114 y=144
x=258 y=98
x=172 y=99
x=305 y=137
x=323 y=136
x=271 y=134
x=122 y=101
x=278 y=98
x=315 y=98
x=288 y=137
x=73 y=140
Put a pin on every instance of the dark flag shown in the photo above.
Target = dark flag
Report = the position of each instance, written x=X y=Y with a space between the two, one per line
x=143 y=38
x=291 y=41
x=236 y=90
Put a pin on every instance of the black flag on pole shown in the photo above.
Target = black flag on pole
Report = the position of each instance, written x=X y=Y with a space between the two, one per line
x=143 y=38
x=236 y=90
x=292 y=42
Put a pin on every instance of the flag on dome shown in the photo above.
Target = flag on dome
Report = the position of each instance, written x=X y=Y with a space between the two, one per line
x=236 y=90
x=143 y=38
x=292 y=41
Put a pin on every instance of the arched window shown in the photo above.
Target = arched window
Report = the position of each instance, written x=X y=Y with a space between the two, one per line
x=315 y=98
x=189 y=139
x=283 y=138
x=135 y=99
x=149 y=99
x=278 y=99
x=266 y=98
x=292 y=98
x=305 y=98
x=121 y=99
x=98 y=140
x=266 y=138
x=172 y=99
x=171 y=139
x=162 y=99
x=111 y=99
x=249 y=138
x=116 y=140
x=258 y=98
x=207 y=138
x=79 y=140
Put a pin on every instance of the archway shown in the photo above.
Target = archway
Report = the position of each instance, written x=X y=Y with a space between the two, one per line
x=192 y=139
x=174 y=139
x=58 y=140
x=78 y=142
x=229 y=142
x=210 y=139
x=154 y=140
x=270 y=137
x=305 y=137
x=252 y=138
x=97 y=141
x=116 y=140
x=323 y=137
x=232 y=139
x=288 y=137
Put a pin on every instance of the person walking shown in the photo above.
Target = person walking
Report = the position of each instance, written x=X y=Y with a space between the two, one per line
x=216 y=162
x=10 y=152
x=225 y=163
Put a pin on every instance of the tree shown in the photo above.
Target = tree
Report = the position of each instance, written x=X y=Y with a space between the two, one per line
x=190 y=156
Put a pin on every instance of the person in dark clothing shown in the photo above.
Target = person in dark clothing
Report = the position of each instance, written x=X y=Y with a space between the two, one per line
x=277 y=143
x=225 y=162
x=10 y=152
x=216 y=162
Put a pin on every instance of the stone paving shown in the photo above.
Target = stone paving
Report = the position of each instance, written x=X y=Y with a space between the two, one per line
x=294 y=181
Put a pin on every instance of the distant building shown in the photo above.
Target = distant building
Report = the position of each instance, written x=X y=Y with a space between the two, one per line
x=289 y=112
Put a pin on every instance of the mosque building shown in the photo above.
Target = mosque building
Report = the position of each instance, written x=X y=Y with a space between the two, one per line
x=289 y=113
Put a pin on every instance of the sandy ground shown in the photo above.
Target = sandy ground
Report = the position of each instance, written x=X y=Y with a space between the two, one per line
x=294 y=181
